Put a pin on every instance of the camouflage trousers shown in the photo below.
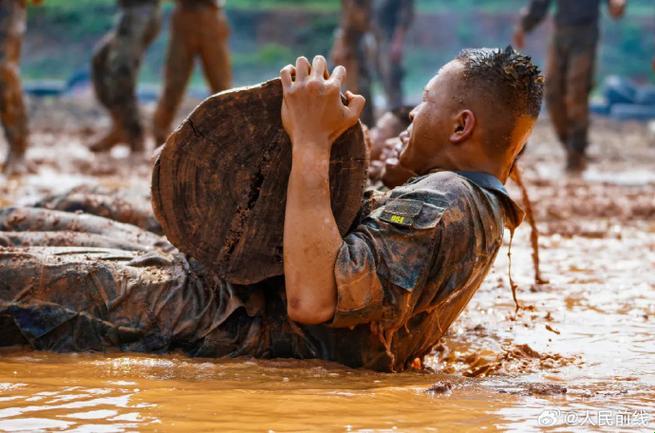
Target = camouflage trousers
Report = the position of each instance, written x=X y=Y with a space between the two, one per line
x=197 y=30
x=12 y=107
x=391 y=72
x=569 y=80
x=354 y=49
x=116 y=62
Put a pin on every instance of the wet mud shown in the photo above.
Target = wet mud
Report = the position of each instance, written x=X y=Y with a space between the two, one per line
x=581 y=345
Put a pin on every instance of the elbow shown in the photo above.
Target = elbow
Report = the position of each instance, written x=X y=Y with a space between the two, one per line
x=310 y=313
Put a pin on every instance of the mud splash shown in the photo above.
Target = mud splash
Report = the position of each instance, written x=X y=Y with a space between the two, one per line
x=582 y=344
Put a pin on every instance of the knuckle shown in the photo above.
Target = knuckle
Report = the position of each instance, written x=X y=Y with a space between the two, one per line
x=332 y=88
x=314 y=85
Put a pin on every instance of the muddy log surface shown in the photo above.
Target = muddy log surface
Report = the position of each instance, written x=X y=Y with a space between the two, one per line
x=581 y=349
x=219 y=184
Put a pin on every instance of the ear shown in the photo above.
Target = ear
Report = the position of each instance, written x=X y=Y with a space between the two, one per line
x=464 y=126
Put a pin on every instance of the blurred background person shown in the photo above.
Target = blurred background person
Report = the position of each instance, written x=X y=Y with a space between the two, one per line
x=570 y=67
x=351 y=44
x=115 y=69
x=370 y=43
x=392 y=21
x=199 y=28
x=12 y=106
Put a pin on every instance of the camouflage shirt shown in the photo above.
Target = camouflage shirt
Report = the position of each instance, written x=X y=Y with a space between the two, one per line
x=404 y=273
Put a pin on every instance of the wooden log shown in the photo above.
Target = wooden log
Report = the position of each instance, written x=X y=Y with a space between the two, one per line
x=219 y=183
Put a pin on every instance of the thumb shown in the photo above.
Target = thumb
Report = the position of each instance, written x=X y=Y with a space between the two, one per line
x=356 y=104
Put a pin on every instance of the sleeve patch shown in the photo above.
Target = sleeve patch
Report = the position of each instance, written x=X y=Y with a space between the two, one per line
x=401 y=212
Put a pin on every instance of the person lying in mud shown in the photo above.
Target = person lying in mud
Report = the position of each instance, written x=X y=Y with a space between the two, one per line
x=378 y=298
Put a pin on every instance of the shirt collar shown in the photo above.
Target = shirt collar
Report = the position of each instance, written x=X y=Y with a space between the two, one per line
x=493 y=184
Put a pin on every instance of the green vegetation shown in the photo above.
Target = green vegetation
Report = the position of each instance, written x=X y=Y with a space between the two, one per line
x=62 y=34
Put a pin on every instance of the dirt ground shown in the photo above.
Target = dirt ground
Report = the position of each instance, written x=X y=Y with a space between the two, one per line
x=586 y=332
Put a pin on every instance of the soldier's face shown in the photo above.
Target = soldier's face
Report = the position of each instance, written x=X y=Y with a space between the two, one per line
x=435 y=138
x=432 y=120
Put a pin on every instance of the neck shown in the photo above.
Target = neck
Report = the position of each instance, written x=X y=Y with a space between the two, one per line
x=455 y=164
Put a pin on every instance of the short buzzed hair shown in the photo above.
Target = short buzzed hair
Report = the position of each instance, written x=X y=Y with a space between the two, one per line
x=510 y=77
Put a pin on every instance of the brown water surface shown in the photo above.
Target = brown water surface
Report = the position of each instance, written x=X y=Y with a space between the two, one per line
x=579 y=357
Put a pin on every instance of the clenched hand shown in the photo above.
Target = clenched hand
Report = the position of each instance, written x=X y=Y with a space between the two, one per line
x=313 y=113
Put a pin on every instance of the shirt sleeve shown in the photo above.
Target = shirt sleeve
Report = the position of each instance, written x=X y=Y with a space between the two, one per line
x=533 y=14
x=385 y=258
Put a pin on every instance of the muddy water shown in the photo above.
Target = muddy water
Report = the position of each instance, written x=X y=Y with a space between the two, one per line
x=579 y=357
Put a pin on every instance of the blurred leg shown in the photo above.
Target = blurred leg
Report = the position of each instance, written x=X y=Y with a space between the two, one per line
x=349 y=50
x=579 y=83
x=115 y=71
x=556 y=89
x=215 y=50
x=352 y=55
x=12 y=107
x=391 y=72
x=179 y=65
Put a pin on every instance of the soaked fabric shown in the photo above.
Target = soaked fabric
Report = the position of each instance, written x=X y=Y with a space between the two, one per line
x=73 y=282
x=12 y=107
x=78 y=299
x=198 y=29
x=126 y=205
x=569 y=13
x=411 y=266
x=116 y=63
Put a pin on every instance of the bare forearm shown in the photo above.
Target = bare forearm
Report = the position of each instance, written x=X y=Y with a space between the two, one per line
x=314 y=116
x=311 y=239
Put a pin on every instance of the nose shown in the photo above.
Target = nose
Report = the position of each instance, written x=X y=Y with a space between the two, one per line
x=412 y=114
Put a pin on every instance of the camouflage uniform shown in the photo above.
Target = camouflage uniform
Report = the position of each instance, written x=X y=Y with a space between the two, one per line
x=403 y=276
x=570 y=68
x=381 y=19
x=115 y=69
x=350 y=50
x=199 y=28
x=12 y=107
x=391 y=16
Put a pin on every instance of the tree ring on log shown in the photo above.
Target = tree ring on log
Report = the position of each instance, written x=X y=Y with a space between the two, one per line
x=219 y=183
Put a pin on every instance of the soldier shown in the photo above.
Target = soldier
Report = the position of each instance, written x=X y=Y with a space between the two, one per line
x=378 y=298
x=392 y=21
x=570 y=67
x=350 y=50
x=373 y=32
x=199 y=28
x=12 y=107
x=115 y=69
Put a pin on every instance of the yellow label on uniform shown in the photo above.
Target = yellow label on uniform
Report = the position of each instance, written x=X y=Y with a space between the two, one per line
x=397 y=219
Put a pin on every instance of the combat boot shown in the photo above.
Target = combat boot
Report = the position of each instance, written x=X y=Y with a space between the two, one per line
x=107 y=142
x=576 y=162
